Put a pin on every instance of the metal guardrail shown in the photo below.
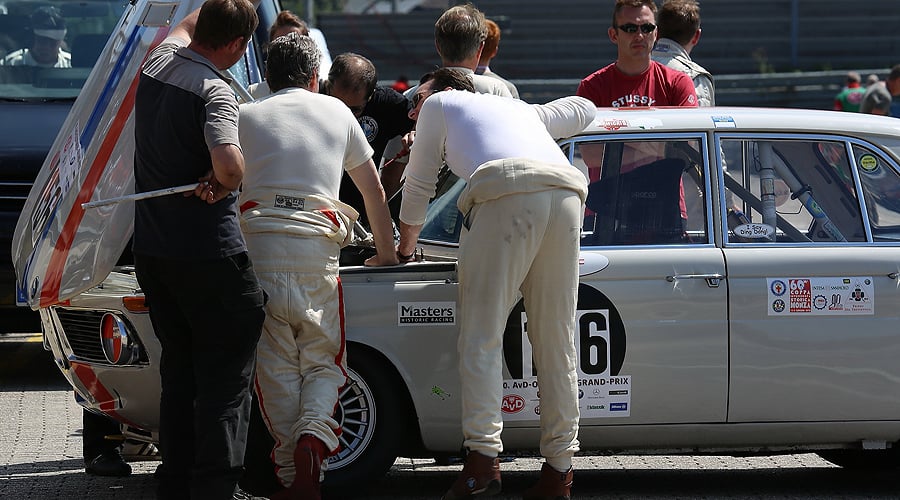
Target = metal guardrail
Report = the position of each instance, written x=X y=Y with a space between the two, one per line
x=813 y=90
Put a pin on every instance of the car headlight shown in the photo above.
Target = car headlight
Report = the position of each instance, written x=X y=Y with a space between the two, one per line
x=118 y=346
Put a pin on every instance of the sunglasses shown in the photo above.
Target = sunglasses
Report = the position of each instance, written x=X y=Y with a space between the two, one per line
x=632 y=28
x=418 y=96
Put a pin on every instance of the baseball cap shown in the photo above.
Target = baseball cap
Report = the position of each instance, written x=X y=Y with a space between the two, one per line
x=48 y=22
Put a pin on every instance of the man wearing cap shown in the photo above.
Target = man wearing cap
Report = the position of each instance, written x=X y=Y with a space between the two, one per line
x=49 y=29
x=850 y=97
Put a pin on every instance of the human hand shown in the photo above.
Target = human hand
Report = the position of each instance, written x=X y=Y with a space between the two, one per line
x=407 y=142
x=209 y=189
x=379 y=260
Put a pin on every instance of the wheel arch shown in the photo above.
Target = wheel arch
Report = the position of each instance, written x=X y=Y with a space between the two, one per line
x=413 y=444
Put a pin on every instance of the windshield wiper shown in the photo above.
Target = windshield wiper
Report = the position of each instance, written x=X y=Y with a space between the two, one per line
x=57 y=99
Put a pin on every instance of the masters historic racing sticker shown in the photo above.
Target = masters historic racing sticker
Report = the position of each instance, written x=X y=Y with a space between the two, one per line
x=821 y=296
x=600 y=347
x=426 y=313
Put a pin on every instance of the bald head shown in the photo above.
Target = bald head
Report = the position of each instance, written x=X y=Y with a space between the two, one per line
x=352 y=79
x=353 y=72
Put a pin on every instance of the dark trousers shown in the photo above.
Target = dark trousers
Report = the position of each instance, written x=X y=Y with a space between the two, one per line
x=208 y=317
x=100 y=434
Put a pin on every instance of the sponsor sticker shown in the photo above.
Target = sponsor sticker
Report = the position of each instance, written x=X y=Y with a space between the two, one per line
x=723 y=122
x=599 y=397
x=599 y=388
x=512 y=403
x=835 y=296
x=868 y=162
x=614 y=124
x=755 y=231
x=66 y=167
x=426 y=313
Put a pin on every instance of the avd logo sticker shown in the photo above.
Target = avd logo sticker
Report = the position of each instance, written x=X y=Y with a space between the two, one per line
x=512 y=403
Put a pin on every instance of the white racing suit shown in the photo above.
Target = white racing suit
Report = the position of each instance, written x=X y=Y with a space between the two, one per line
x=524 y=222
x=294 y=240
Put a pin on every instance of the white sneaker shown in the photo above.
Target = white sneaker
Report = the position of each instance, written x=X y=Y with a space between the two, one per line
x=139 y=451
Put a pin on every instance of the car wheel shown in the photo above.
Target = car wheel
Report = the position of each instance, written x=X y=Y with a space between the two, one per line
x=863 y=459
x=373 y=417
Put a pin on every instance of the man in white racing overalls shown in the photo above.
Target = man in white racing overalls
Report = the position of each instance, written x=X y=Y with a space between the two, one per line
x=297 y=143
x=523 y=207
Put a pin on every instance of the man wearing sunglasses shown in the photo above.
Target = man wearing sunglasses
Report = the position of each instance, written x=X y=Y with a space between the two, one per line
x=634 y=79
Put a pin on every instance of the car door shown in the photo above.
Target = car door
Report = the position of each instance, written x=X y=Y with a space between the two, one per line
x=812 y=277
x=652 y=332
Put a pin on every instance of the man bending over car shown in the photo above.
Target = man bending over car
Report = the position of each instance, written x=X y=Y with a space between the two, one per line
x=523 y=207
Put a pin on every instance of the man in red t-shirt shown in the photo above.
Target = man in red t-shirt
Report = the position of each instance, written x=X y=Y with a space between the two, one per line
x=634 y=79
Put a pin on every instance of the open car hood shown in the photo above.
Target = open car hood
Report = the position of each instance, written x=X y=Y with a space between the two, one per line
x=60 y=249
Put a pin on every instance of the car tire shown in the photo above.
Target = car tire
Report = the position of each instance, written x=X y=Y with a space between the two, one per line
x=374 y=417
x=863 y=460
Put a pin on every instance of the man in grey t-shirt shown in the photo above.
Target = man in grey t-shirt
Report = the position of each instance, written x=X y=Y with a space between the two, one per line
x=879 y=98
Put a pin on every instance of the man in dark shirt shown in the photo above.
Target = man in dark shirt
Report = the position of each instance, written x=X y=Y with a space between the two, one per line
x=382 y=112
x=206 y=305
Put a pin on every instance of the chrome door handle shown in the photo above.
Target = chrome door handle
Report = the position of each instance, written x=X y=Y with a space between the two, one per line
x=712 y=280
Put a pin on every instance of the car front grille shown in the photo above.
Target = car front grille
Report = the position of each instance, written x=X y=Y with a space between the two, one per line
x=82 y=329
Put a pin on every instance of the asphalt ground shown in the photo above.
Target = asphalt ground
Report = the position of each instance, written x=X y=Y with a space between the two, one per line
x=40 y=458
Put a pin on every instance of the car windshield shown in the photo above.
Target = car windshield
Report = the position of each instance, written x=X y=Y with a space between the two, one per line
x=47 y=49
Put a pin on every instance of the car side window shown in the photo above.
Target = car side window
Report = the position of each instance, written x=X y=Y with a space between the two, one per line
x=443 y=222
x=881 y=185
x=790 y=191
x=643 y=192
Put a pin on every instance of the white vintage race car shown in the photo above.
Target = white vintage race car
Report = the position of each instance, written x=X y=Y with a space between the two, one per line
x=739 y=295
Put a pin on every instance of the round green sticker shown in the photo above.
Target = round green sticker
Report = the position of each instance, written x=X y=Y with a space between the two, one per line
x=868 y=162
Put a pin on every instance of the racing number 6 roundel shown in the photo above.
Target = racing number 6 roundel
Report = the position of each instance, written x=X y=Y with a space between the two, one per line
x=599 y=337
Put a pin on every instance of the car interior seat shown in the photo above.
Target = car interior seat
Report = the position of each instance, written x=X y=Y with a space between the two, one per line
x=639 y=207
x=86 y=49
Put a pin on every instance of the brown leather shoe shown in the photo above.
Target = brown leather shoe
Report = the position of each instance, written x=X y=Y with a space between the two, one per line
x=553 y=485
x=480 y=477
